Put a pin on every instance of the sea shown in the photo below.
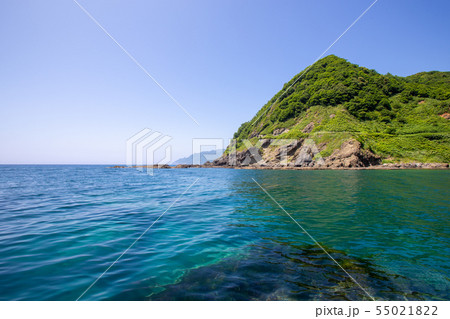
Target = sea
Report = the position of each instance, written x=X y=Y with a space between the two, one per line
x=85 y=232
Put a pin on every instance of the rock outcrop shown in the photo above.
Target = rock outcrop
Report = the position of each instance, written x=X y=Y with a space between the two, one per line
x=350 y=155
x=308 y=128
x=299 y=153
x=306 y=156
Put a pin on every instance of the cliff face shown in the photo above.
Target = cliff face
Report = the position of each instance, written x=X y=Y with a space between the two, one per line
x=338 y=114
x=299 y=153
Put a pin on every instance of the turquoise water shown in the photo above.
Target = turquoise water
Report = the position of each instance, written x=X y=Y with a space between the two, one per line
x=61 y=227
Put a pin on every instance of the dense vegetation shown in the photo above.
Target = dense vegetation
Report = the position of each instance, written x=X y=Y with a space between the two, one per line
x=396 y=117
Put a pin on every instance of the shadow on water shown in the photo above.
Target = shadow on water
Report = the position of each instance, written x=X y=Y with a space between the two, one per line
x=276 y=271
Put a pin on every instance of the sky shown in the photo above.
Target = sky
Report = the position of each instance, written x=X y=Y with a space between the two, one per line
x=70 y=95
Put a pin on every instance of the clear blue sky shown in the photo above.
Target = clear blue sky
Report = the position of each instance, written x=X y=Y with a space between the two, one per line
x=68 y=94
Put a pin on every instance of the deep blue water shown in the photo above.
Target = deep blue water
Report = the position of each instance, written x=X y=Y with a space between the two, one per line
x=61 y=227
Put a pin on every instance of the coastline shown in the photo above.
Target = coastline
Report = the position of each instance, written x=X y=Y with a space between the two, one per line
x=386 y=166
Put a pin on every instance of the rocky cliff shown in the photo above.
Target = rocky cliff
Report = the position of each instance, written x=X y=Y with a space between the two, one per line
x=299 y=153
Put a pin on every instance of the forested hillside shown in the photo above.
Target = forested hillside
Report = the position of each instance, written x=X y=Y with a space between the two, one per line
x=398 y=118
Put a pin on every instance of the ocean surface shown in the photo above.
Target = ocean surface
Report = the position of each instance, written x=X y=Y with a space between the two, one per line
x=62 y=227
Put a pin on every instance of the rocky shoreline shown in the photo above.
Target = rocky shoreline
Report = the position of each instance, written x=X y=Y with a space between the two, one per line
x=301 y=154
x=387 y=166
x=304 y=154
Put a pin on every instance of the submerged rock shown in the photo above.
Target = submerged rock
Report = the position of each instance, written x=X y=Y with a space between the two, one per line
x=271 y=271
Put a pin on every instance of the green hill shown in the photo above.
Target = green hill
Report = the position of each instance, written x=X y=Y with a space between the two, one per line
x=400 y=119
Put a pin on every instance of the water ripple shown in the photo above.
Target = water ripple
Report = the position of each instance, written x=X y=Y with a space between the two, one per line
x=62 y=226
